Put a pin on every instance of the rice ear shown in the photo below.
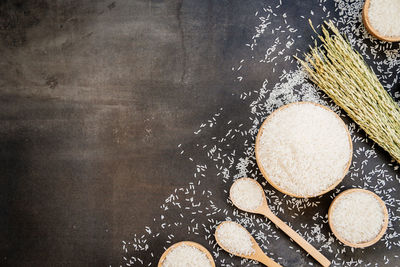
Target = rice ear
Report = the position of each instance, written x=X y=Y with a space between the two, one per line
x=344 y=76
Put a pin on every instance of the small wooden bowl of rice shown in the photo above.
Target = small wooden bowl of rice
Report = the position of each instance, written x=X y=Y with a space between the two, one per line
x=381 y=20
x=358 y=218
x=186 y=253
x=303 y=149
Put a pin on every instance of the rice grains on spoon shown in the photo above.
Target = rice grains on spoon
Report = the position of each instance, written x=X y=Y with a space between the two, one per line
x=235 y=239
x=248 y=195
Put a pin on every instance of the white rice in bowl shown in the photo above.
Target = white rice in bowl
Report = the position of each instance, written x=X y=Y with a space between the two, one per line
x=303 y=149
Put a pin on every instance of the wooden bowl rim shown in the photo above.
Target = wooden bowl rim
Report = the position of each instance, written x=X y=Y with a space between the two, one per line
x=380 y=234
x=188 y=243
x=371 y=30
x=258 y=160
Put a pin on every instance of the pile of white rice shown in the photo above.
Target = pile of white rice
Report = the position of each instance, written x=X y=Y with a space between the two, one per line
x=304 y=149
x=246 y=194
x=186 y=256
x=384 y=17
x=234 y=238
x=358 y=217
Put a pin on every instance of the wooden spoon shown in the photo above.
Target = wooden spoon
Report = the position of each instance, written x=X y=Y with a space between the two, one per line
x=258 y=255
x=365 y=244
x=265 y=210
x=371 y=30
x=188 y=243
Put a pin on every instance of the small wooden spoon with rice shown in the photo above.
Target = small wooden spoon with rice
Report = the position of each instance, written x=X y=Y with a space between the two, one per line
x=258 y=254
x=263 y=209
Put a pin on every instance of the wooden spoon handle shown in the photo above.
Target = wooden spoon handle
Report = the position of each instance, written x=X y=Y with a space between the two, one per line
x=298 y=239
x=261 y=257
x=267 y=261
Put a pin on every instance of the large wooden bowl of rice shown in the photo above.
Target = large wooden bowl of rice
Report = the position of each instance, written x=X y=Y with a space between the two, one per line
x=303 y=149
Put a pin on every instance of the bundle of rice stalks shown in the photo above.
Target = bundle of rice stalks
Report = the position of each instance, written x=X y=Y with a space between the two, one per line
x=344 y=76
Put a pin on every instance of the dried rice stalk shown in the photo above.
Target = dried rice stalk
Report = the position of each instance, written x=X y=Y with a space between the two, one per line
x=344 y=76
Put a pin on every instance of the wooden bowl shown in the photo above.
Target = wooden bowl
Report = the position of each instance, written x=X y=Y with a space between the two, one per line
x=371 y=30
x=365 y=244
x=260 y=131
x=188 y=243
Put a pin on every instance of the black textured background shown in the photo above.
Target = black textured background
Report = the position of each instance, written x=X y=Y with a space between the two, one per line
x=94 y=98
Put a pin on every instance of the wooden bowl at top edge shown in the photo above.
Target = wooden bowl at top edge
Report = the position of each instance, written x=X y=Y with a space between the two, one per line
x=365 y=244
x=188 y=243
x=371 y=30
x=260 y=131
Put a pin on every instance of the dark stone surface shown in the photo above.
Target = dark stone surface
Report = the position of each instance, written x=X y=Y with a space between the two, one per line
x=95 y=95
x=94 y=98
